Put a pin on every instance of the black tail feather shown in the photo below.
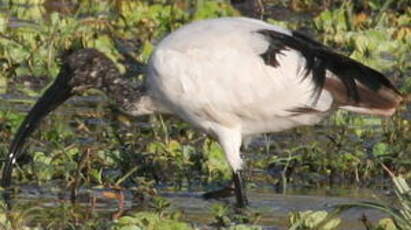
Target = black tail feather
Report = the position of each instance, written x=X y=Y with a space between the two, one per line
x=320 y=59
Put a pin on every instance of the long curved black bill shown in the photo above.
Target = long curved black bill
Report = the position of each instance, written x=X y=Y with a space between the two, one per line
x=54 y=96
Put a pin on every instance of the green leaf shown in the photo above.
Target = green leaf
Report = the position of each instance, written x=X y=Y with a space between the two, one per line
x=213 y=9
x=308 y=220
x=386 y=224
x=379 y=149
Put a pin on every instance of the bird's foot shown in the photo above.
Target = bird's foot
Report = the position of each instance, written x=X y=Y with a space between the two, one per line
x=224 y=192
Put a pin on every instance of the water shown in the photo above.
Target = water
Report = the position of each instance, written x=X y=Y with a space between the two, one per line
x=273 y=208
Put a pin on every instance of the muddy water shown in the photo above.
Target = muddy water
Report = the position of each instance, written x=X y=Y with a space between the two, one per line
x=272 y=207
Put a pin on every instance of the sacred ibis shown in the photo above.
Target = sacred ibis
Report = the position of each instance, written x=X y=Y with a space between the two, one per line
x=229 y=77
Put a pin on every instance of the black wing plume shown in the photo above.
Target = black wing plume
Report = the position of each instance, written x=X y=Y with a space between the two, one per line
x=320 y=59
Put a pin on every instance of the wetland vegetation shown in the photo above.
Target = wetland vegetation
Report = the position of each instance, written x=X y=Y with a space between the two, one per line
x=133 y=172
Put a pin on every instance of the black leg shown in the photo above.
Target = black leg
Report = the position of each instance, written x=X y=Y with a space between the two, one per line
x=239 y=189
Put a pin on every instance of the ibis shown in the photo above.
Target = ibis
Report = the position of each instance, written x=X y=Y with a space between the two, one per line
x=231 y=78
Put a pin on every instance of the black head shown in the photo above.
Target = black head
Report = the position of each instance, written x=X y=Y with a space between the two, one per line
x=81 y=70
x=85 y=69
